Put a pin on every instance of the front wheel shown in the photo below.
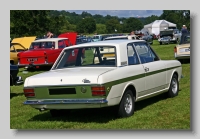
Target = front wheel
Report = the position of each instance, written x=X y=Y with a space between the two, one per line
x=174 y=87
x=127 y=105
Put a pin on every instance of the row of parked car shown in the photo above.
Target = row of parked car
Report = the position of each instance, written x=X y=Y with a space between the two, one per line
x=44 y=52
x=118 y=71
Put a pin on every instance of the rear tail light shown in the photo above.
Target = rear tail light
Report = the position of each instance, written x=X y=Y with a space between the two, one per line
x=98 y=90
x=29 y=92
x=18 y=57
x=45 y=56
x=175 y=49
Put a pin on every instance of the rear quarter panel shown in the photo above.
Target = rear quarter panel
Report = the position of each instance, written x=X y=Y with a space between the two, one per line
x=173 y=66
x=116 y=81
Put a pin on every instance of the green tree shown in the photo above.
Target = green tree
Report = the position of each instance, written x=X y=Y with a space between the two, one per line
x=132 y=24
x=85 y=14
x=100 y=28
x=150 y=19
x=179 y=17
x=28 y=22
x=86 y=25
x=112 y=25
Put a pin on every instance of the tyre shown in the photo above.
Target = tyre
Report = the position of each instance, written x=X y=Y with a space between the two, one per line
x=160 y=43
x=174 y=87
x=127 y=105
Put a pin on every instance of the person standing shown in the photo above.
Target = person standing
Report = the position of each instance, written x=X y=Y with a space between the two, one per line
x=184 y=29
x=184 y=32
x=132 y=33
x=49 y=35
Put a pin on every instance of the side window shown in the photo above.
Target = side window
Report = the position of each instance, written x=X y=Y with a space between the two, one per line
x=132 y=56
x=145 y=53
x=12 y=49
x=61 y=44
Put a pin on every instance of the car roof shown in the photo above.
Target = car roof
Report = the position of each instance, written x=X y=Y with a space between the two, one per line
x=120 y=36
x=116 y=37
x=49 y=39
x=105 y=43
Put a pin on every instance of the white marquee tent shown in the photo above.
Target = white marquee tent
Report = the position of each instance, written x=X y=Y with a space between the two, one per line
x=159 y=25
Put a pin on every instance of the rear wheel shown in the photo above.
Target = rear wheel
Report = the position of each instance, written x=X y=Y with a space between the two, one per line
x=160 y=43
x=174 y=87
x=127 y=105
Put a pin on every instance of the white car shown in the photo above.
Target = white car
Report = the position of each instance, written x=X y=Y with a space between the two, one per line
x=174 y=36
x=135 y=73
x=127 y=37
x=182 y=50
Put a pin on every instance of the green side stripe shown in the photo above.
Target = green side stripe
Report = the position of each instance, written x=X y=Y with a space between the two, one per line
x=109 y=85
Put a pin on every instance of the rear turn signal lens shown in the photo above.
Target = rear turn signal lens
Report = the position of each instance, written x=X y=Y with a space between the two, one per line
x=175 y=49
x=98 y=90
x=29 y=92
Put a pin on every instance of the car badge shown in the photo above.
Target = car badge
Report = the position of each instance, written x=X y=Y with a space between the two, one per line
x=83 y=89
x=85 y=81
x=108 y=88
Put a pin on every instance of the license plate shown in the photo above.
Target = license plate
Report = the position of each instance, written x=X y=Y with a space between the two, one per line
x=32 y=59
x=184 y=50
x=187 y=50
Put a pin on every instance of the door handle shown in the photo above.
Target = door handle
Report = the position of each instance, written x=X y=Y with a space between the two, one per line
x=146 y=69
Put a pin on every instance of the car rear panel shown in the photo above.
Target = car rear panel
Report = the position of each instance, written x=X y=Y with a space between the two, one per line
x=38 y=57
x=32 y=57
x=64 y=92
x=183 y=49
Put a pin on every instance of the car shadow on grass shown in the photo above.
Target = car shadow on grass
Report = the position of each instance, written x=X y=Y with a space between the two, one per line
x=15 y=94
x=150 y=101
x=98 y=115
x=185 y=61
x=38 y=69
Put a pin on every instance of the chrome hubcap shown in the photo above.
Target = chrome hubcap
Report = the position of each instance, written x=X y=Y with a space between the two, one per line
x=174 y=85
x=128 y=104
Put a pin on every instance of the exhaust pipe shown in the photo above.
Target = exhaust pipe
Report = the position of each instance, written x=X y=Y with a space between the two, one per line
x=42 y=109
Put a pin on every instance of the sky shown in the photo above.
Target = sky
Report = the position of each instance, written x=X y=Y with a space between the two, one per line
x=121 y=13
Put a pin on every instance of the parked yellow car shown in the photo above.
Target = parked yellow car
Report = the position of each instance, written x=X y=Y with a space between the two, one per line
x=18 y=45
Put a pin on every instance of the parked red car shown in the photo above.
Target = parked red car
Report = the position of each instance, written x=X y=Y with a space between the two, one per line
x=44 y=52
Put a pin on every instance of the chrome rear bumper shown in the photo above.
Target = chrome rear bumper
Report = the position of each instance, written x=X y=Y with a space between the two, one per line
x=66 y=101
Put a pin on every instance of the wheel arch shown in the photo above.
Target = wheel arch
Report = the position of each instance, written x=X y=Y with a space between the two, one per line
x=130 y=86
x=176 y=73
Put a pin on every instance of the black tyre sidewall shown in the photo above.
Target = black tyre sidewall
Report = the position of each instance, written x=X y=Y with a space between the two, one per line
x=121 y=112
x=170 y=93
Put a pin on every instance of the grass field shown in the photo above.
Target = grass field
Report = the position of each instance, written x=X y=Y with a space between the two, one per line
x=153 y=113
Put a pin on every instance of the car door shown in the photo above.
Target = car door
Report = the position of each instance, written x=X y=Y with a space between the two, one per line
x=155 y=70
x=136 y=68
